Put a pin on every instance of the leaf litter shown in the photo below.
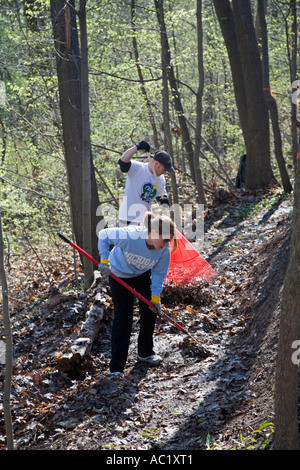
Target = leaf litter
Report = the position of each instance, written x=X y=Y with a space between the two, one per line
x=203 y=395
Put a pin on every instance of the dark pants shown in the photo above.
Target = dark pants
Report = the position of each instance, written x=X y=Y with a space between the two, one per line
x=123 y=316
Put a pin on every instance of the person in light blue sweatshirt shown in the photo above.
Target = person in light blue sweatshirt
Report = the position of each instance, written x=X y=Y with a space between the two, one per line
x=141 y=257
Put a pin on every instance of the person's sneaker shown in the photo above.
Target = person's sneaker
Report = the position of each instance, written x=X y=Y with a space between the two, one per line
x=153 y=360
x=117 y=375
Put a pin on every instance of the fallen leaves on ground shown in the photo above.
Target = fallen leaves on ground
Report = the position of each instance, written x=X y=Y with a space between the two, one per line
x=212 y=389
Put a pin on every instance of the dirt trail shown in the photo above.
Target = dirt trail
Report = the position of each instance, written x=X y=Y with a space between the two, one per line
x=218 y=395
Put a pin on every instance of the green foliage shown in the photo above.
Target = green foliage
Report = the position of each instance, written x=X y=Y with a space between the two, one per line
x=265 y=432
x=29 y=215
x=150 y=433
x=31 y=133
x=263 y=435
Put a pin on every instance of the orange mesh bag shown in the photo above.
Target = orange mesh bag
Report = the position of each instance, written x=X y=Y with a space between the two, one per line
x=187 y=266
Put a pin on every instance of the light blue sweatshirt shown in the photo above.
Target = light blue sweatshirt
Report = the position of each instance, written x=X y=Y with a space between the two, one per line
x=131 y=257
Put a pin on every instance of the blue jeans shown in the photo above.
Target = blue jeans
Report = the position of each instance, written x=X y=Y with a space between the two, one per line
x=123 y=316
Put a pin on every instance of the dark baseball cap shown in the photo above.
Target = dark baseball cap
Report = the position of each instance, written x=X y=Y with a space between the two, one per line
x=165 y=159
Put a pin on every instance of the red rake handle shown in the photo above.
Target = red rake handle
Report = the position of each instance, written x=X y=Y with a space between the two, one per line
x=131 y=289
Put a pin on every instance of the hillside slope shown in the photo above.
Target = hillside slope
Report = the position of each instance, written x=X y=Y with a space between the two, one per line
x=219 y=394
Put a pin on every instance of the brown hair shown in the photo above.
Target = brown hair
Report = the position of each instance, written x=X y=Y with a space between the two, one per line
x=162 y=225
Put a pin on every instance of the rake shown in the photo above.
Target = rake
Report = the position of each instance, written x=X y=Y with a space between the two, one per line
x=131 y=289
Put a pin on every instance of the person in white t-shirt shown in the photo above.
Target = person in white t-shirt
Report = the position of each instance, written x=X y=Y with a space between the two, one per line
x=141 y=186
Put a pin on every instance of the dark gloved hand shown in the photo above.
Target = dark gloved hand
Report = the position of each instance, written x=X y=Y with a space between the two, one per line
x=163 y=200
x=104 y=267
x=143 y=145
x=155 y=300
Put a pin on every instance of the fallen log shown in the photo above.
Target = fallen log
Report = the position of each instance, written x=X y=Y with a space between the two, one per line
x=56 y=297
x=81 y=346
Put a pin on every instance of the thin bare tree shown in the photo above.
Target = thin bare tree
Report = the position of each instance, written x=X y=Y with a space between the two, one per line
x=8 y=350
x=141 y=75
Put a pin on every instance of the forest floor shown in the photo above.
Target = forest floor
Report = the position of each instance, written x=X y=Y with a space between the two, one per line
x=218 y=394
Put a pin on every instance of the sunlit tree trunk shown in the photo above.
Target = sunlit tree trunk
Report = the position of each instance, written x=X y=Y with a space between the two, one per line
x=186 y=138
x=227 y=24
x=8 y=348
x=288 y=354
x=270 y=100
x=199 y=108
x=68 y=62
x=294 y=75
x=259 y=171
x=86 y=149
x=240 y=38
x=167 y=69
x=141 y=77
x=165 y=93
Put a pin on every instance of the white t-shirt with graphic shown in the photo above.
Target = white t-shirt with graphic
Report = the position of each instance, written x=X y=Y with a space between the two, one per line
x=140 y=190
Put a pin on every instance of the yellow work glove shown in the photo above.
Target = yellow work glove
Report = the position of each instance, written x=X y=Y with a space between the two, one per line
x=155 y=300
x=104 y=267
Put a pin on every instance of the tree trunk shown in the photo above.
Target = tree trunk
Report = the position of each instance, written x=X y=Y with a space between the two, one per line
x=288 y=359
x=294 y=73
x=239 y=34
x=167 y=68
x=272 y=105
x=68 y=62
x=227 y=24
x=270 y=100
x=199 y=109
x=165 y=99
x=86 y=149
x=259 y=171
x=186 y=139
x=8 y=349
x=141 y=78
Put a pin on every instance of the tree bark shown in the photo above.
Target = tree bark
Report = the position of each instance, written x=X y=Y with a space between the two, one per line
x=186 y=139
x=239 y=34
x=199 y=108
x=294 y=72
x=68 y=62
x=82 y=344
x=168 y=72
x=165 y=97
x=270 y=100
x=288 y=359
x=227 y=24
x=8 y=349
x=141 y=77
x=86 y=149
x=259 y=171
